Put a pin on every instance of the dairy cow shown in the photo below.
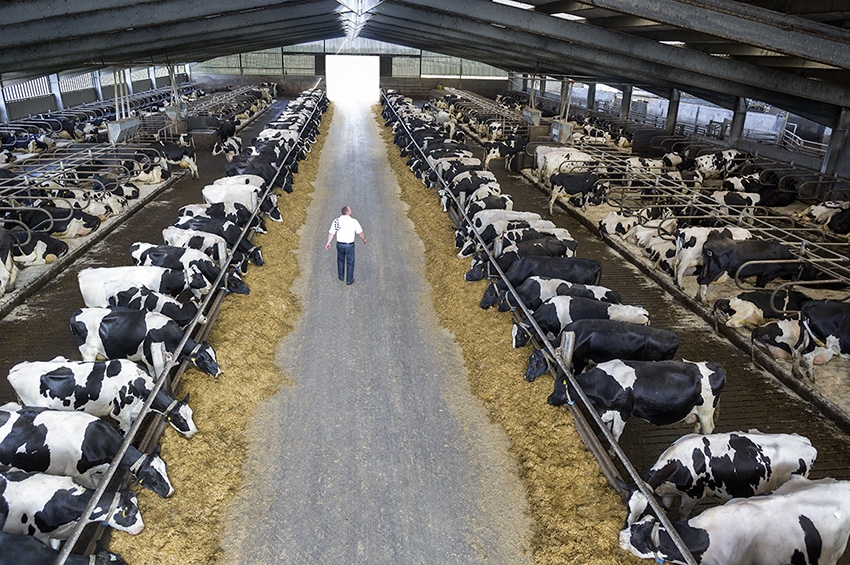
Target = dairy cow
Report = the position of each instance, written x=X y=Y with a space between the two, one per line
x=147 y=337
x=824 y=333
x=722 y=466
x=723 y=257
x=572 y=269
x=720 y=163
x=779 y=338
x=207 y=243
x=604 y=340
x=660 y=392
x=36 y=248
x=803 y=521
x=114 y=389
x=74 y=444
x=505 y=149
x=234 y=212
x=535 y=290
x=559 y=311
x=230 y=232
x=583 y=185
x=175 y=257
x=48 y=507
x=689 y=244
x=756 y=308
x=93 y=282
x=547 y=246
x=243 y=192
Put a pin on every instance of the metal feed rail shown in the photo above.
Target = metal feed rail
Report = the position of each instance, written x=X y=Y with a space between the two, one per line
x=206 y=306
x=481 y=105
x=602 y=457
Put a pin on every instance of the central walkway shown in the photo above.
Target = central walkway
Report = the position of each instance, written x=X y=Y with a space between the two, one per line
x=378 y=453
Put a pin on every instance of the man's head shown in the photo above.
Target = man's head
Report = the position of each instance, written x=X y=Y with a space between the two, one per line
x=346 y=211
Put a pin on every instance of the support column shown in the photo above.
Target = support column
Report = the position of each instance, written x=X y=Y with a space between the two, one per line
x=152 y=77
x=736 y=129
x=837 y=160
x=591 y=97
x=128 y=80
x=4 y=114
x=672 y=111
x=95 y=80
x=626 y=105
x=542 y=86
x=56 y=91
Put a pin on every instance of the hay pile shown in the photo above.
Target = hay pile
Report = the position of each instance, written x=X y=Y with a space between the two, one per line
x=206 y=471
x=576 y=516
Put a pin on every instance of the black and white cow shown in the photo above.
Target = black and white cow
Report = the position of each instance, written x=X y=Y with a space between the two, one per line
x=8 y=268
x=722 y=258
x=755 y=308
x=720 y=163
x=689 y=243
x=229 y=148
x=779 y=338
x=178 y=154
x=230 y=232
x=146 y=337
x=540 y=247
x=97 y=284
x=803 y=521
x=584 y=185
x=604 y=340
x=535 y=290
x=119 y=295
x=175 y=257
x=244 y=193
x=58 y=222
x=114 y=389
x=572 y=269
x=234 y=212
x=505 y=149
x=207 y=243
x=48 y=507
x=19 y=549
x=660 y=392
x=37 y=248
x=74 y=444
x=617 y=223
x=722 y=466
x=559 y=311
x=824 y=333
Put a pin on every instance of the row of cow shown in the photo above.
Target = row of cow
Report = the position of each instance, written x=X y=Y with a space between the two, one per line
x=56 y=445
x=635 y=375
x=38 y=212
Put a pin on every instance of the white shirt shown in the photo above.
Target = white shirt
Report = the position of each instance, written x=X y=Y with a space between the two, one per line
x=345 y=227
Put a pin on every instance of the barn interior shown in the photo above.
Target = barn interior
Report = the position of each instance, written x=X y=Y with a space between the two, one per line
x=767 y=78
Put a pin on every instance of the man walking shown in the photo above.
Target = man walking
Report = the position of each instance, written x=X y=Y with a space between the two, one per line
x=345 y=228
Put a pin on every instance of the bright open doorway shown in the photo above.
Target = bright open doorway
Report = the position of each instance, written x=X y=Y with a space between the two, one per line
x=352 y=78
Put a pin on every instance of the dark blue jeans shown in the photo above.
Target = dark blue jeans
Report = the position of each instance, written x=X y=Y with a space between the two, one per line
x=345 y=261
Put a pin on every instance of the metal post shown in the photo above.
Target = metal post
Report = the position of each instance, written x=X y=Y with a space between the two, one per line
x=152 y=77
x=626 y=104
x=672 y=111
x=835 y=162
x=4 y=114
x=736 y=131
x=56 y=90
x=128 y=74
x=591 y=96
x=95 y=80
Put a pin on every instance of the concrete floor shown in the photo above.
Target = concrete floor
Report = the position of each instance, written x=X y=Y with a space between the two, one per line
x=378 y=453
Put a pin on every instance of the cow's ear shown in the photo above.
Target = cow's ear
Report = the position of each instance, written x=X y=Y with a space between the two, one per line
x=157 y=450
x=186 y=400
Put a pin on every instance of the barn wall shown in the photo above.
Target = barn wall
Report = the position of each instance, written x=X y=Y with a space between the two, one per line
x=78 y=97
x=24 y=108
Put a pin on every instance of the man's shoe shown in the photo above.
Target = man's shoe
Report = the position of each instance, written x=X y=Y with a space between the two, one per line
x=352 y=282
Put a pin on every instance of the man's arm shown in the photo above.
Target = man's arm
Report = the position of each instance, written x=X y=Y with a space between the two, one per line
x=330 y=238
x=363 y=236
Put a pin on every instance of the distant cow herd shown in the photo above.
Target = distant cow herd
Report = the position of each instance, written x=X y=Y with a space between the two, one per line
x=56 y=444
x=773 y=512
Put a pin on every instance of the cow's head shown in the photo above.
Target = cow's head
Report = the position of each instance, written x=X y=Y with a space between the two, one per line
x=255 y=256
x=196 y=281
x=235 y=284
x=179 y=415
x=125 y=516
x=269 y=206
x=648 y=539
x=538 y=364
x=476 y=271
x=520 y=335
x=491 y=296
x=104 y=557
x=151 y=472
x=779 y=338
x=203 y=357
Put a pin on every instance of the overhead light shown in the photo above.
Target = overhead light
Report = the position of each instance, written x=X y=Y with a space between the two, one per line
x=571 y=17
x=513 y=4
x=673 y=43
